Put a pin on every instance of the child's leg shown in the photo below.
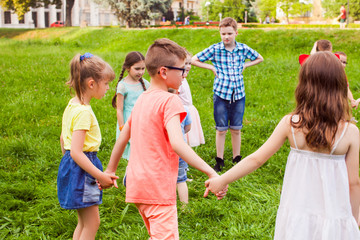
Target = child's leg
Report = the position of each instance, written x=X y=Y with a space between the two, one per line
x=89 y=222
x=221 y=116
x=183 y=192
x=160 y=220
x=235 y=141
x=220 y=143
x=78 y=229
x=181 y=181
x=237 y=110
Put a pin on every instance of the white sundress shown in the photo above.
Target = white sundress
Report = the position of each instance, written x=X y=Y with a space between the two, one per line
x=315 y=200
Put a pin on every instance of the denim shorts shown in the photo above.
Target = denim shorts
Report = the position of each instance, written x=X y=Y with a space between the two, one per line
x=228 y=114
x=182 y=172
x=76 y=188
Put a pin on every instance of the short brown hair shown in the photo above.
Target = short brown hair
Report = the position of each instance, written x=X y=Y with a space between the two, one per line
x=228 y=22
x=323 y=45
x=161 y=53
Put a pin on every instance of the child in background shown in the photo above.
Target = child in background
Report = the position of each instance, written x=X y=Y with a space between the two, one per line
x=181 y=185
x=128 y=90
x=228 y=57
x=157 y=143
x=320 y=197
x=343 y=59
x=195 y=136
x=80 y=139
x=321 y=45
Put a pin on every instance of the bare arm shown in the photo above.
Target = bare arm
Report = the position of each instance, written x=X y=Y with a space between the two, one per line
x=352 y=164
x=196 y=62
x=185 y=151
x=120 y=109
x=353 y=102
x=313 y=50
x=118 y=149
x=258 y=60
x=76 y=152
x=62 y=144
x=253 y=161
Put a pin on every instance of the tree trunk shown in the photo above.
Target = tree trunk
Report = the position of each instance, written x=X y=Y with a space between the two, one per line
x=69 y=6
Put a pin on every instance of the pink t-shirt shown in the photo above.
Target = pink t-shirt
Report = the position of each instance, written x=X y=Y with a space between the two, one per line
x=153 y=165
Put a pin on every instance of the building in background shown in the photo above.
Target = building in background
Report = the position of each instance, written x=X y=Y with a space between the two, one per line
x=185 y=5
x=84 y=13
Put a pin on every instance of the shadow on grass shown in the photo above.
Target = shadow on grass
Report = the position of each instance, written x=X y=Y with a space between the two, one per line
x=12 y=33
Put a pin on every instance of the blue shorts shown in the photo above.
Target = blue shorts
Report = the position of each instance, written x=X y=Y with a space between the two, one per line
x=182 y=172
x=75 y=187
x=228 y=114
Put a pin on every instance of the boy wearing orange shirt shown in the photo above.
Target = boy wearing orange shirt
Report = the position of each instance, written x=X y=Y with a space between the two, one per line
x=157 y=142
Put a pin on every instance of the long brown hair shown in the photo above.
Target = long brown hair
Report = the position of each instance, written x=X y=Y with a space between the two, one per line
x=321 y=97
x=130 y=59
x=89 y=67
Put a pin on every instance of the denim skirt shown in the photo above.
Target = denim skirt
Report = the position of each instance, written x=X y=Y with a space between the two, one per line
x=75 y=187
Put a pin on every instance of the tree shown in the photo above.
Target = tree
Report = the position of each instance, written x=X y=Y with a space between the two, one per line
x=355 y=9
x=332 y=8
x=266 y=7
x=227 y=8
x=135 y=12
x=69 y=6
x=20 y=7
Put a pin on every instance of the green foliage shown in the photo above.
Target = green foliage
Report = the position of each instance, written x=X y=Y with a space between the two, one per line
x=22 y=6
x=267 y=7
x=332 y=8
x=34 y=69
x=227 y=8
x=136 y=12
x=290 y=7
x=355 y=9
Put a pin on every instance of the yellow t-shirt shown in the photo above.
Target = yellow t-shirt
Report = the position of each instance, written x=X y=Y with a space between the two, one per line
x=81 y=117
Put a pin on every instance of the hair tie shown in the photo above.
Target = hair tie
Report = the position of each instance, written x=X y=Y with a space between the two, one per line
x=303 y=57
x=86 y=55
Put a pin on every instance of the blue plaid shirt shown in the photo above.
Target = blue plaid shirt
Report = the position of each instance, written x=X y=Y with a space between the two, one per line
x=229 y=82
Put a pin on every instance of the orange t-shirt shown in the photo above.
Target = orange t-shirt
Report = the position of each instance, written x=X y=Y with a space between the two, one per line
x=153 y=165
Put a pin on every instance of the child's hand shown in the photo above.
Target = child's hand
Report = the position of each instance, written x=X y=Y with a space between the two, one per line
x=107 y=180
x=216 y=186
x=213 y=69
x=355 y=103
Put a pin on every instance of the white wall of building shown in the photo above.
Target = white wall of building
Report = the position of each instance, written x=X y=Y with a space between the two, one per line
x=84 y=13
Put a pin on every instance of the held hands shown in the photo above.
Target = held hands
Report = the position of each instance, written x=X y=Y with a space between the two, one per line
x=107 y=180
x=216 y=186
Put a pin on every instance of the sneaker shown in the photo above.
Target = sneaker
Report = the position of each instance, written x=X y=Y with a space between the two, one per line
x=237 y=159
x=219 y=164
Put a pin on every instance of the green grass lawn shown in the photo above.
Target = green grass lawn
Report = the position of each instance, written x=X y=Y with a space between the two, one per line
x=34 y=67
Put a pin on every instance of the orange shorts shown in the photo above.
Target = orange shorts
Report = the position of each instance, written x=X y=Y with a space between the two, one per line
x=160 y=221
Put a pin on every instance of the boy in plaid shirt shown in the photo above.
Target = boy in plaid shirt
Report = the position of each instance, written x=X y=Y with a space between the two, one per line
x=228 y=58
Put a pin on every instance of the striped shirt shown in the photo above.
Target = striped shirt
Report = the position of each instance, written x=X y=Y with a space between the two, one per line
x=229 y=82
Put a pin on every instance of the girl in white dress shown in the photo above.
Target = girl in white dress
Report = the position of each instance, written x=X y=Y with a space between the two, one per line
x=195 y=136
x=321 y=191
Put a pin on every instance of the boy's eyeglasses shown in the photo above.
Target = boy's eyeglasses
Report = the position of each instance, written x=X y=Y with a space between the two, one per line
x=176 y=68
